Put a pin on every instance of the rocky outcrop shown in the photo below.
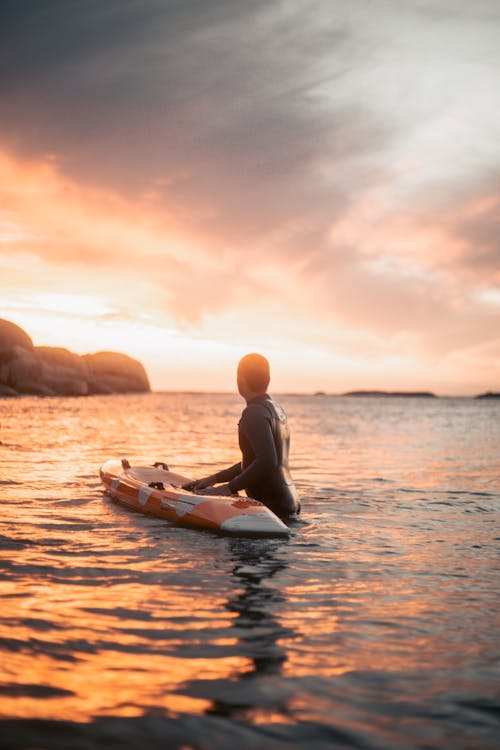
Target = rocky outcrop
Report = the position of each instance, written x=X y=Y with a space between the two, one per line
x=20 y=368
x=63 y=371
x=54 y=371
x=111 y=372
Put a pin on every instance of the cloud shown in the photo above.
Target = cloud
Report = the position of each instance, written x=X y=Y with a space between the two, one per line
x=214 y=101
x=255 y=124
x=389 y=276
x=51 y=226
x=323 y=169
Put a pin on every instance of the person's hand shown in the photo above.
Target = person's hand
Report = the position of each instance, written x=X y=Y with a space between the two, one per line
x=199 y=484
x=220 y=489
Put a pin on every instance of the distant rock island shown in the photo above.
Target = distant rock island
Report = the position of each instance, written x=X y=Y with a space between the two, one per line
x=489 y=394
x=54 y=371
x=402 y=394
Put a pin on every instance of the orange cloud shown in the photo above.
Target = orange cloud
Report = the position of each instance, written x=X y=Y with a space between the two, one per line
x=381 y=297
x=49 y=222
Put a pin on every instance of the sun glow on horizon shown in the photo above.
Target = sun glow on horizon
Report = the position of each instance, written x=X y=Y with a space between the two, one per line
x=188 y=360
x=73 y=304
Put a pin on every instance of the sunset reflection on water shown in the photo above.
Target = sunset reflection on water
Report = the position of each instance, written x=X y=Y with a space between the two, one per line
x=375 y=619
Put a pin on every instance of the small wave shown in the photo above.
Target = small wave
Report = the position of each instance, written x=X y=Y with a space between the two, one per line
x=74 y=503
x=28 y=690
x=7 y=542
x=489 y=707
x=120 y=613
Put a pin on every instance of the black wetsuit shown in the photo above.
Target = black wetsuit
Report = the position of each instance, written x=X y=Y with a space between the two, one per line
x=263 y=473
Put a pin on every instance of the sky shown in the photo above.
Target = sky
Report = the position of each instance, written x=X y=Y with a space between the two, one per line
x=187 y=181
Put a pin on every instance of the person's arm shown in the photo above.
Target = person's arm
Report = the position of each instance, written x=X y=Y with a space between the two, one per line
x=221 y=476
x=227 y=474
x=256 y=427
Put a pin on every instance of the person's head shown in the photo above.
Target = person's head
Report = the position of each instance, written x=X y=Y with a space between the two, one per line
x=253 y=375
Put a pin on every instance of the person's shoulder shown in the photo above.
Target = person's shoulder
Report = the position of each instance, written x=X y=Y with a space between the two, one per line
x=255 y=410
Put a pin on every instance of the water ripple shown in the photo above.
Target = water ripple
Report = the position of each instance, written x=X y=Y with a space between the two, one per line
x=373 y=626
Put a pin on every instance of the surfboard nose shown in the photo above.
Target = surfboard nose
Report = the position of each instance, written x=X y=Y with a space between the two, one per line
x=255 y=523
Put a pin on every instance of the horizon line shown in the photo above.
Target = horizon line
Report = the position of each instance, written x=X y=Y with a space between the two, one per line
x=358 y=393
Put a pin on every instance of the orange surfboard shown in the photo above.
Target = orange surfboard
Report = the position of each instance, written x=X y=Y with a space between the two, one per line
x=157 y=491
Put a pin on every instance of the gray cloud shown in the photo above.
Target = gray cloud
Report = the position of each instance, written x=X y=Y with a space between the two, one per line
x=260 y=124
x=216 y=96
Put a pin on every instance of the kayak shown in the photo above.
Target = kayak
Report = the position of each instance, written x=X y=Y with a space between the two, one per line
x=157 y=491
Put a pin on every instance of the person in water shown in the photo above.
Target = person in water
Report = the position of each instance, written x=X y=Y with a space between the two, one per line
x=264 y=440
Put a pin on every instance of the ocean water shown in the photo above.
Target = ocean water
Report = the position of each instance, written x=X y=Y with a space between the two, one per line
x=375 y=625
